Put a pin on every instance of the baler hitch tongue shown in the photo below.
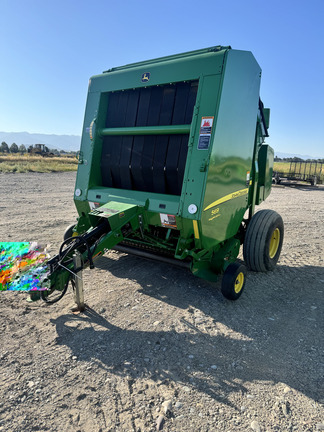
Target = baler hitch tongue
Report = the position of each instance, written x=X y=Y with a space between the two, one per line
x=117 y=220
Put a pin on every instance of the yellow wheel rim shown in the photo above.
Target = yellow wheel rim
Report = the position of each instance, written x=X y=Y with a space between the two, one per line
x=274 y=243
x=239 y=282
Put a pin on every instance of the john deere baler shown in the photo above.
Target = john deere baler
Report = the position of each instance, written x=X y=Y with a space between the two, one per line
x=171 y=166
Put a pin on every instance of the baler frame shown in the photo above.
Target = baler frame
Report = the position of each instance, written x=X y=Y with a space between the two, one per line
x=172 y=157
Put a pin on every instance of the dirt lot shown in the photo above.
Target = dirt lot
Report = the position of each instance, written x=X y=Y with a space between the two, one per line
x=153 y=333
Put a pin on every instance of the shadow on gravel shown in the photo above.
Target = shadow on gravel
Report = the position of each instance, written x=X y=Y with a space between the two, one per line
x=273 y=333
x=140 y=354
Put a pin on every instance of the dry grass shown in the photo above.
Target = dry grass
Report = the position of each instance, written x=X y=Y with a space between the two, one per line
x=283 y=167
x=11 y=163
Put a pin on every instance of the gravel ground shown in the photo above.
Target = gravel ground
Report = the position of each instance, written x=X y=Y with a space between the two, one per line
x=158 y=348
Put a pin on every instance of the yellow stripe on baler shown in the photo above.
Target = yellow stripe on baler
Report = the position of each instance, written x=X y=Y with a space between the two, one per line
x=228 y=197
x=196 y=231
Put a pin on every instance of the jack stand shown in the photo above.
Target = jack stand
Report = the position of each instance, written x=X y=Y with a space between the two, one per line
x=78 y=290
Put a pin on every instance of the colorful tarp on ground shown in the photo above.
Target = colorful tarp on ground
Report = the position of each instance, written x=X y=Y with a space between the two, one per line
x=23 y=266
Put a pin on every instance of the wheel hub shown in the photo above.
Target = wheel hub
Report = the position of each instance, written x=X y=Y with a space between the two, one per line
x=239 y=282
x=274 y=243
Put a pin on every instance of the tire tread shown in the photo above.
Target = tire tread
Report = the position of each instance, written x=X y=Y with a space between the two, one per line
x=256 y=238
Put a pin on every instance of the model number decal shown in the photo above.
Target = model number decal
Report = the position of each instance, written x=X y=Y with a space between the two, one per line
x=214 y=214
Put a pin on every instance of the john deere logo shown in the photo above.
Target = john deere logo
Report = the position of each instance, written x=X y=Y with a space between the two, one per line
x=146 y=76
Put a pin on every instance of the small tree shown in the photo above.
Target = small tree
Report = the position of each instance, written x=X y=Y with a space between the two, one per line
x=22 y=149
x=13 y=148
x=4 y=148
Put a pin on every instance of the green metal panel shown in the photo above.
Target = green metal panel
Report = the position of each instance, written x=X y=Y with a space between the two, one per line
x=156 y=202
x=89 y=153
x=173 y=69
x=265 y=161
x=225 y=199
x=145 y=130
x=198 y=160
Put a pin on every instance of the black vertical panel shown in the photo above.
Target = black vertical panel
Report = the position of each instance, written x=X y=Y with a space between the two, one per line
x=161 y=145
x=143 y=106
x=132 y=108
x=171 y=164
x=120 y=112
x=112 y=113
x=155 y=106
x=136 y=169
x=109 y=142
x=127 y=144
x=191 y=102
x=124 y=163
x=167 y=105
x=138 y=144
x=105 y=163
x=150 y=140
x=112 y=150
x=172 y=158
x=180 y=103
x=147 y=161
x=116 y=143
x=160 y=152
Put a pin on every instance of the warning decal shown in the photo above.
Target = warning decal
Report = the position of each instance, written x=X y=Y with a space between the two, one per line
x=94 y=205
x=168 y=220
x=206 y=127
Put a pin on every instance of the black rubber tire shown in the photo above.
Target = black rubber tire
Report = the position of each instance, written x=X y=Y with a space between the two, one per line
x=256 y=247
x=68 y=232
x=231 y=279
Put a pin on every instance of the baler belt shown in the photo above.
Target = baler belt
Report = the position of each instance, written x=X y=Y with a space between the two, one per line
x=151 y=163
x=124 y=162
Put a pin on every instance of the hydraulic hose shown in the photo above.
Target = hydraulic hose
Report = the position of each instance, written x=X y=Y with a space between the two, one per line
x=62 y=254
x=75 y=246
x=56 y=299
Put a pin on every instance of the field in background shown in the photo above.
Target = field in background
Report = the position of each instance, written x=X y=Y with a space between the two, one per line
x=283 y=167
x=11 y=163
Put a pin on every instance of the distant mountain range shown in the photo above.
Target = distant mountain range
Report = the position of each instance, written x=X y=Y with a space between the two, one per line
x=290 y=155
x=59 y=142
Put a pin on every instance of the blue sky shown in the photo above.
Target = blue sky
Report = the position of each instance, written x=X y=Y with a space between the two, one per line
x=49 y=49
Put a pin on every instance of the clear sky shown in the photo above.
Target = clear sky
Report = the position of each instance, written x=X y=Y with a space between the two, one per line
x=49 y=49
